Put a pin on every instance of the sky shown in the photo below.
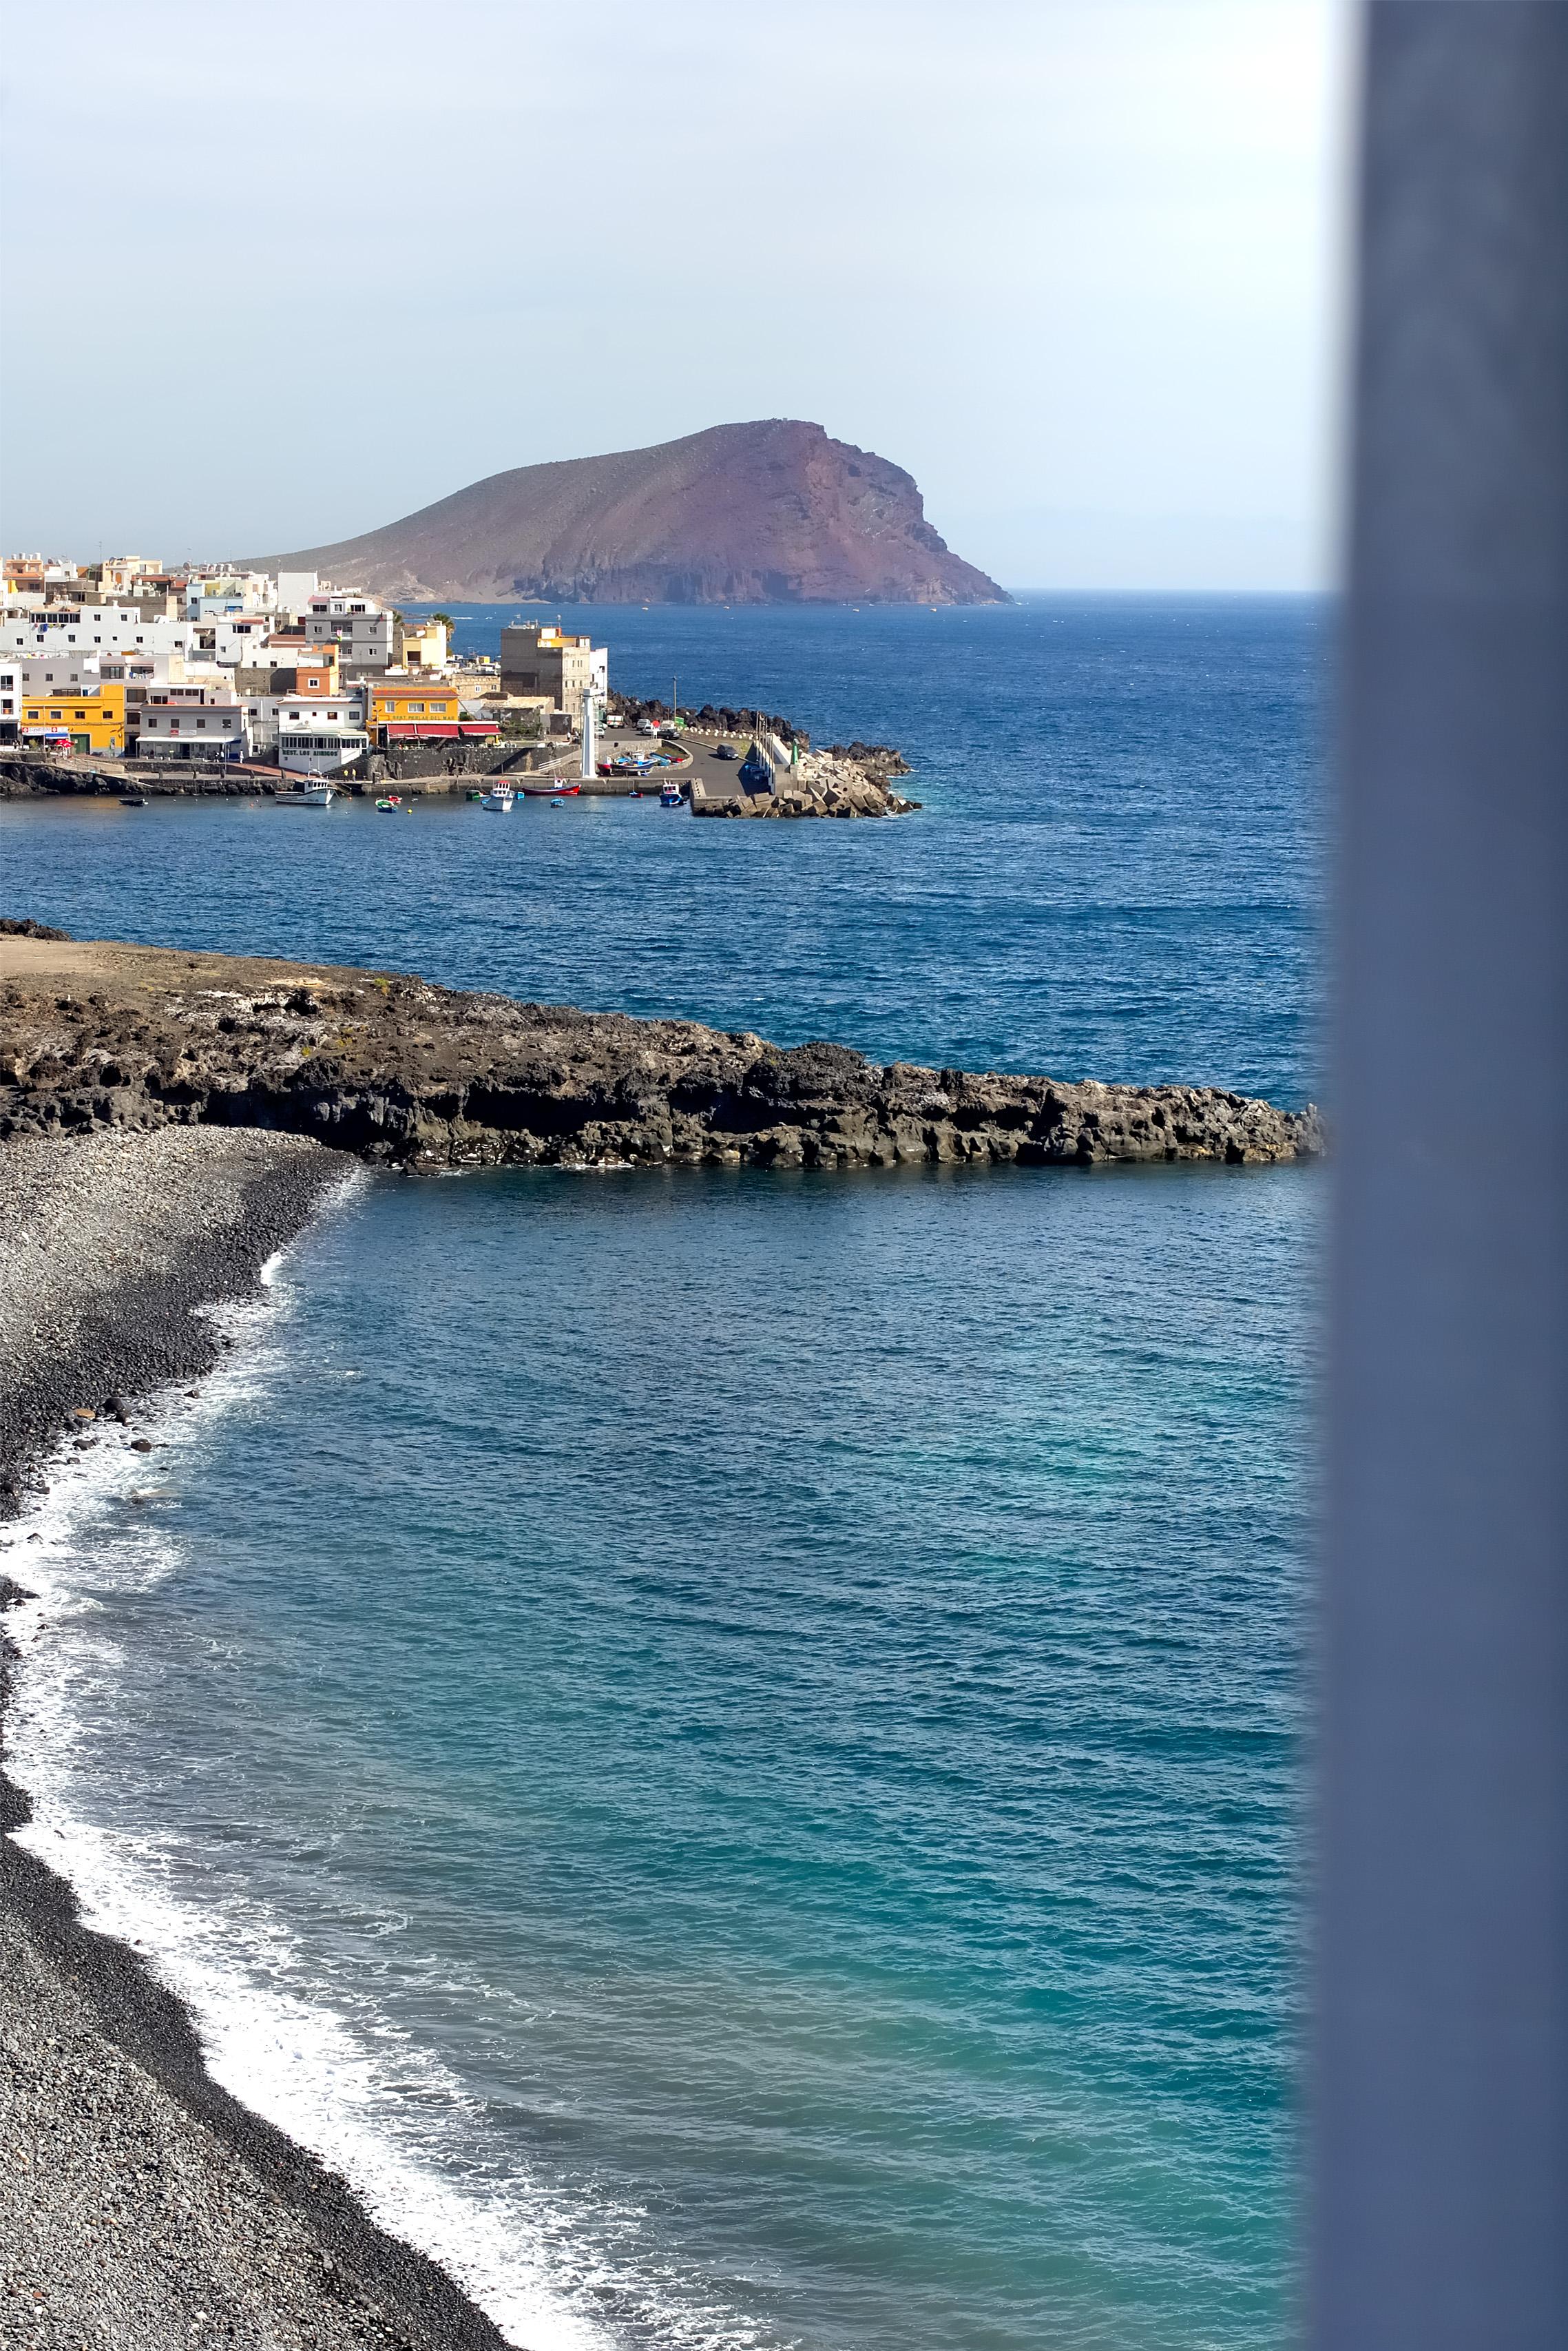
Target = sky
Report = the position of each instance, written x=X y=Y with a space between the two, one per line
x=275 y=277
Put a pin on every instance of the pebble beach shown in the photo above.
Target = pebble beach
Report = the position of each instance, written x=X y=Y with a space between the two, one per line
x=142 y=2207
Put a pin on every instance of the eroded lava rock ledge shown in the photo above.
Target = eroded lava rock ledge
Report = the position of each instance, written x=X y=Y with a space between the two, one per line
x=97 y=1034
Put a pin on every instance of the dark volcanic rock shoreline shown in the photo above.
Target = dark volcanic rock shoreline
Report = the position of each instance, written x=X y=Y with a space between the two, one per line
x=134 y=2192
x=406 y=1074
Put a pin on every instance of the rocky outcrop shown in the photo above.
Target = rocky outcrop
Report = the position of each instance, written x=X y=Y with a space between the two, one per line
x=774 y=512
x=406 y=1074
x=818 y=784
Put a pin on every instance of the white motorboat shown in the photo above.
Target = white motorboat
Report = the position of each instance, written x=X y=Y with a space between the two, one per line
x=319 y=794
x=500 y=798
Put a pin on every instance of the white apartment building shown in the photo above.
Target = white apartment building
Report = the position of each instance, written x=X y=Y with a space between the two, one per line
x=193 y=722
x=10 y=701
x=64 y=628
x=363 y=631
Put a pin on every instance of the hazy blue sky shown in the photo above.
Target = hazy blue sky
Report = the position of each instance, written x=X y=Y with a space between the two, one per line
x=275 y=276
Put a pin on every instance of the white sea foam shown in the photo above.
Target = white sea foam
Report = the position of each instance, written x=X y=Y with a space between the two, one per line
x=386 y=2113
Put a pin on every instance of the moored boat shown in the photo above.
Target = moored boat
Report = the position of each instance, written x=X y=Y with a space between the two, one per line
x=500 y=800
x=670 y=795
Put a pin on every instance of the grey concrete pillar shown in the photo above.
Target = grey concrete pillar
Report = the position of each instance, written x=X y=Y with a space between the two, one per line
x=1441 y=2090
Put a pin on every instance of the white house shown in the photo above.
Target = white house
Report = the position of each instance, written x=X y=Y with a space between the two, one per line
x=10 y=701
x=318 y=748
x=294 y=591
x=241 y=640
x=64 y=630
x=193 y=722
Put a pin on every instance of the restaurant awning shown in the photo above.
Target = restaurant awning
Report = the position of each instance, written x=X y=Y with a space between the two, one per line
x=418 y=730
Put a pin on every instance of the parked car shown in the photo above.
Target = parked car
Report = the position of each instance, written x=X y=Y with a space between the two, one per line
x=725 y=751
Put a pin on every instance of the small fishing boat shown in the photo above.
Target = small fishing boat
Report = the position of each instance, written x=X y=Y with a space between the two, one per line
x=316 y=794
x=500 y=800
x=134 y=799
x=390 y=807
x=670 y=795
x=550 y=791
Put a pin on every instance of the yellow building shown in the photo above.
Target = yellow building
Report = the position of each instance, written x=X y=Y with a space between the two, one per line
x=95 y=720
x=419 y=644
x=403 y=708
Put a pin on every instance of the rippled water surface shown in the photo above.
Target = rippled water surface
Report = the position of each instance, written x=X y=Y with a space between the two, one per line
x=1115 y=873
x=728 y=1744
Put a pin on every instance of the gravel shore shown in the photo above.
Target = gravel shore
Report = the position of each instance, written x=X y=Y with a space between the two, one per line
x=142 y=2208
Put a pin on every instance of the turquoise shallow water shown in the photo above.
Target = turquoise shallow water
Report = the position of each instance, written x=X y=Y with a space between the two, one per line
x=729 y=1744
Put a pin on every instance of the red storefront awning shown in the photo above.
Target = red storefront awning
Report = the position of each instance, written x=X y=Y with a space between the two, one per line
x=420 y=731
x=480 y=726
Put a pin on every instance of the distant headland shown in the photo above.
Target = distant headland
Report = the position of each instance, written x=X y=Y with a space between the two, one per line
x=774 y=512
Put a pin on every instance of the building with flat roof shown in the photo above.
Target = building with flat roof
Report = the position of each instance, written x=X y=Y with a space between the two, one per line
x=85 y=718
x=539 y=658
x=413 y=709
x=360 y=627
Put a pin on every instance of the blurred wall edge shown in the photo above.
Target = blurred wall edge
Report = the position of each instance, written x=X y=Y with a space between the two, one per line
x=1442 y=2089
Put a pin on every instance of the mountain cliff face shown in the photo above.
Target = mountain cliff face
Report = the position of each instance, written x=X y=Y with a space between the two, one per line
x=770 y=513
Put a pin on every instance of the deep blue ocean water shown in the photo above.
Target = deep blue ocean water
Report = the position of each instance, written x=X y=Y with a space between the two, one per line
x=729 y=1745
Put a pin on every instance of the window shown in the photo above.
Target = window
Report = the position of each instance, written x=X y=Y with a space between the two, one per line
x=201 y=722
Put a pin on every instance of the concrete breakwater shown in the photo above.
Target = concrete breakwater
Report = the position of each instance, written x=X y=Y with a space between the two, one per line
x=843 y=780
x=100 y=1035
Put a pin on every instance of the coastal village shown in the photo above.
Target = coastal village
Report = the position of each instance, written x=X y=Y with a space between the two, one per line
x=125 y=670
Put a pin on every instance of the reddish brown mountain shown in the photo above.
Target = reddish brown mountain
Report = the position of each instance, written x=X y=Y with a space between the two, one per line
x=770 y=513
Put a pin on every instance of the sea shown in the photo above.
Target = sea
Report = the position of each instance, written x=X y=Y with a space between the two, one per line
x=728 y=1746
